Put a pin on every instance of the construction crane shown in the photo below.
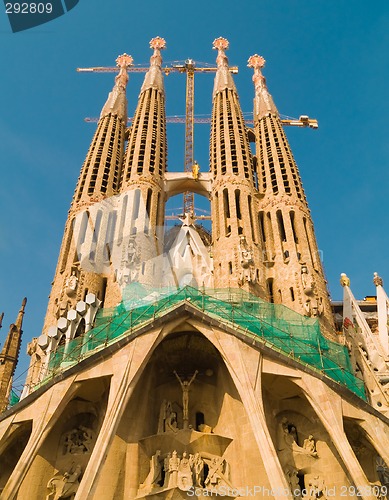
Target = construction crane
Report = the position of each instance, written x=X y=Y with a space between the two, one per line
x=188 y=67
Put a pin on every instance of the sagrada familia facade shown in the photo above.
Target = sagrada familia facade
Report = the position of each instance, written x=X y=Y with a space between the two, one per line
x=182 y=363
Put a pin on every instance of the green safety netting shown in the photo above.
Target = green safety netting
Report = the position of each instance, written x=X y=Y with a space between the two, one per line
x=13 y=398
x=282 y=329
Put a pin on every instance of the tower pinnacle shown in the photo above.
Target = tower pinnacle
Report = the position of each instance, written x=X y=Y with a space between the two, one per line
x=223 y=78
x=153 y=78
x=9 y=356
x=263 y=101
x=116 y=103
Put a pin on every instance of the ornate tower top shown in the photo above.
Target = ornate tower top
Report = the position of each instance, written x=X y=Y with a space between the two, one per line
x=223 y=79
x=263 y=101
x=123 y=62
x=153 y=78
x=116 y=103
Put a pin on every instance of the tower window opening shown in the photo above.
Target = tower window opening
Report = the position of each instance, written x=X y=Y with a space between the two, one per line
x=292 y=223
x=217 y=214
x=270 y=290
x=249 y=201
x=281 y=227
x=109 y=235
x=95 y=235
x=311 y=253
x=135 y=213
x=68 y=242
x=230 y=267
x=292 y=294
x=262 y=226
x=226 y=208
x=148 y=211
x=122 y=219
x=237 y=204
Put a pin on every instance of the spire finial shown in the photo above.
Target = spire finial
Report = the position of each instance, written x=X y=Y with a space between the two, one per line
x=221 y=45
x=257 y=62
x=157 y=44
x=123 y=61
x=263 y=102
x=377 y=280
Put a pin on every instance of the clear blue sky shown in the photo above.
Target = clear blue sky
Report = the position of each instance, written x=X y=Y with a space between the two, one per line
x=327 y=59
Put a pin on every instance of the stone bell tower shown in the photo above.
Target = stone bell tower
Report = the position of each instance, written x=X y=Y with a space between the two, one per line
x=294 y=274
x=237 y=249
x=83 y=265
x=140 y=204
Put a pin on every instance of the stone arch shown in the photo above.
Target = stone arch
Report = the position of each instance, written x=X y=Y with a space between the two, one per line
x=374 y=467
x=143 y=429
x=11 y=449
x=292 y=422
x=69 y=439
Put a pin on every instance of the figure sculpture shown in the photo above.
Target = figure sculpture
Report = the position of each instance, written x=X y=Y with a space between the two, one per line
x=64 y=485
x=185 y=384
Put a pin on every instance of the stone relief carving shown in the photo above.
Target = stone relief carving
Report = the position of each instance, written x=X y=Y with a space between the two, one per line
x=71 y=284
x=185 y=471
x=315 y=489
x=64 y=485
x=78 y=441
x=288 y=440
x=313 y=304
x=130 y=264
x=246 y=261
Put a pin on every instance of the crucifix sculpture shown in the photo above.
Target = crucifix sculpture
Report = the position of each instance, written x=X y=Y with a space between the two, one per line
x=185 y=384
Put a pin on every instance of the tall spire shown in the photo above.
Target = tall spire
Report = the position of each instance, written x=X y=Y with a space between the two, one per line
x=236 y=248
x=80 y=266
x=294 y=273
x=9 y=357
x=140 y=211
x=101 y=170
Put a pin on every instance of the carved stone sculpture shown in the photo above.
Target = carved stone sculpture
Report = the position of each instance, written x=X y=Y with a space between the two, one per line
x=155 y=474
x=185 y=384
x=78 y=441
x=184 y=475
x=310 y=445
x=316 y=489
x=174 y=463
x=64 y=485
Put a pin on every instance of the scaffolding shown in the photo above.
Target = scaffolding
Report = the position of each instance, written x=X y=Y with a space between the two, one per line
x=273 y=325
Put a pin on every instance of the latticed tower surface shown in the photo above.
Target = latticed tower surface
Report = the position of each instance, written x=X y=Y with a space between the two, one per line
x=183 y=365
x=237 y=250
x=294 y=272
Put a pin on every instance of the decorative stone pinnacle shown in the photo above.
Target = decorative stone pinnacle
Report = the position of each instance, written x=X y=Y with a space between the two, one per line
x=344 y=280
x=256 y=62
x=221 y=44
x=158 y=43
x=124 y=61
x=377 y=280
